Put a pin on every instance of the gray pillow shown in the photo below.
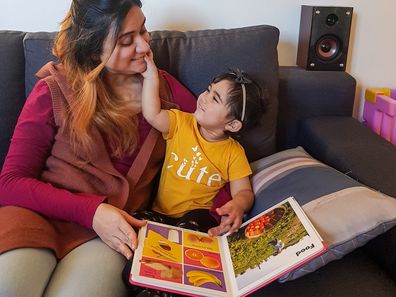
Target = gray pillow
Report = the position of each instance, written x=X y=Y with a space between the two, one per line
x=346 y=213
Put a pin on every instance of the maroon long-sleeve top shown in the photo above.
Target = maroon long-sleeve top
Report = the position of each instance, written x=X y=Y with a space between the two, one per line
x=30 y=147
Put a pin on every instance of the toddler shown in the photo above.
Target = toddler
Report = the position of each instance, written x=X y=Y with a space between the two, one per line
x=201 y=157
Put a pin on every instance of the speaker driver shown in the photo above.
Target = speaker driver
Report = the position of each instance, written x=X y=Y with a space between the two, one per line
x=328 y=47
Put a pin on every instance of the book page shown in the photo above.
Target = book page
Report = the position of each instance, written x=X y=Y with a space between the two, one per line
x=179 y=260
x=269 y=245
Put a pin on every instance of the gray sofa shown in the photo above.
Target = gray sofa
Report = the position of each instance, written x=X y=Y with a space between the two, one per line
x=309 y=109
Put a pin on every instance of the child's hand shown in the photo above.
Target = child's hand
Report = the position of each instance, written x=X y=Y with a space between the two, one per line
x=232 y=216
x=151 y=70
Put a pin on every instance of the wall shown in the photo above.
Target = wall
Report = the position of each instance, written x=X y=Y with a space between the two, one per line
x=371 y=57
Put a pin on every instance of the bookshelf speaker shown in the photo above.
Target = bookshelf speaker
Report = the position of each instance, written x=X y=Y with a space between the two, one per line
x=324 y=37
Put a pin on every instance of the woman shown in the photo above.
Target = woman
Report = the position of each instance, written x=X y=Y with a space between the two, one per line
x=82 y=158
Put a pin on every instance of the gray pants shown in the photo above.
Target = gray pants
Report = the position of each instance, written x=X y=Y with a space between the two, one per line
x=92 y=269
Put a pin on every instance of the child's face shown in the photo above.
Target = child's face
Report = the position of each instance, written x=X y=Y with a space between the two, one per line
x=212 y=111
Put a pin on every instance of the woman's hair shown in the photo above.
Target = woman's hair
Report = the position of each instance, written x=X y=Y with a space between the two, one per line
x=78 y=46
x=256 y=99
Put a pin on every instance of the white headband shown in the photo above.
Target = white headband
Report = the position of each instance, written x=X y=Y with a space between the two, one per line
x=243 y=101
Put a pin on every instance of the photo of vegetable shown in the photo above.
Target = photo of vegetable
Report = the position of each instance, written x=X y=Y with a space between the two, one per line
x=266 y=236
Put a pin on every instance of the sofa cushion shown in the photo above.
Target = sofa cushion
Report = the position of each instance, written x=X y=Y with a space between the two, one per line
x=194 y=58
x=325 y=139
x=345 y=213
x=12 y=85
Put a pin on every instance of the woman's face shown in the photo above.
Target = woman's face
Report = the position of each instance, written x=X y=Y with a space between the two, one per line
x=131 y=45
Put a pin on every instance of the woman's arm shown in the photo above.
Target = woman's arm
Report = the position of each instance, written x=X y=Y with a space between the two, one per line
x=20 y=185
x=29 y=149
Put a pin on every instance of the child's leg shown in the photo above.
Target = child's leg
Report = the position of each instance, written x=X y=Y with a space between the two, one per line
x=154 y=216
x=197 y=219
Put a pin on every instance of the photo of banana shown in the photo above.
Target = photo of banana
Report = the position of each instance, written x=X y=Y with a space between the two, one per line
x=198 y=278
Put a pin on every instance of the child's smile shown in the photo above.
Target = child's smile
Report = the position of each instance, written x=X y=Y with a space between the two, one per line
x=212 y=112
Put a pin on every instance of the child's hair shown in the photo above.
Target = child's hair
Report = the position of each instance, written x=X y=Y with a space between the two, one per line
x=255 y=102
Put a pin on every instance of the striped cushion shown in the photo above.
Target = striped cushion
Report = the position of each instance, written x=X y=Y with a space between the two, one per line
x=346 y=213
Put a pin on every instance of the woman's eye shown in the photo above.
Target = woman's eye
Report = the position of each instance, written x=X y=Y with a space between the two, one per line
x=143 y=31
x=126 y=41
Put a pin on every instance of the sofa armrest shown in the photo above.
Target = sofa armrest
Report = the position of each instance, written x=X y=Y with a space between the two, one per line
x=347 y=145
x=304 y=94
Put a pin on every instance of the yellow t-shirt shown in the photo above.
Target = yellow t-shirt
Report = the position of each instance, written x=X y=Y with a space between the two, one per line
x=194 y=169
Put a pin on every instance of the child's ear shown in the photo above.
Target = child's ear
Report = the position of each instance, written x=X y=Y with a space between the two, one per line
x=233 y=126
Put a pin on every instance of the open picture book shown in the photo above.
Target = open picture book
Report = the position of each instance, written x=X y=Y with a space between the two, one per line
x=192 y=263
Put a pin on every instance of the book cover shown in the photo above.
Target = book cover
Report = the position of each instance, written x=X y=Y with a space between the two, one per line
x=192 y=263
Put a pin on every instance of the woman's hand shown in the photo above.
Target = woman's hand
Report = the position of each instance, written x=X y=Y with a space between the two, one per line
x=114 y=227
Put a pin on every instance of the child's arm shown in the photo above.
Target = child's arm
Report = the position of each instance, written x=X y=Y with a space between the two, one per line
x=151 y=104
x=233 y=211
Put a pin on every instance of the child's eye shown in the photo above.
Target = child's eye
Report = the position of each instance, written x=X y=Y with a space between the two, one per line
x=215 y=100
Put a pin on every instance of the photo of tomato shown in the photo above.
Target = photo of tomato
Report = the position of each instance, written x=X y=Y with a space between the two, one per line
x=265 y=222
x=265 y=236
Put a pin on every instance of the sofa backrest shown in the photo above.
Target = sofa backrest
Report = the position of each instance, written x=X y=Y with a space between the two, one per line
x=193 y=57
x=38 y=51
x=12 y=85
